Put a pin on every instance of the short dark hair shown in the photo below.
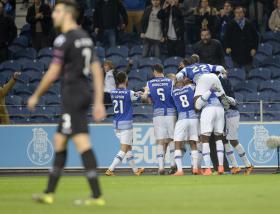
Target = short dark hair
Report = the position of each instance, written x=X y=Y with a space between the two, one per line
x=72 y=6
x=205 y=29
x=240 y=7
x=120 y=77
x=195 y=58
x=187 y=61
x=158 y=68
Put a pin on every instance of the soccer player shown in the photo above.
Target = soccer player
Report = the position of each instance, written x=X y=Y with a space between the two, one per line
x=232 y=118
x=73 y=61
x=204 y=76
x=159 y=91
x=211 y=120
x=186 y=128
x=122 y=99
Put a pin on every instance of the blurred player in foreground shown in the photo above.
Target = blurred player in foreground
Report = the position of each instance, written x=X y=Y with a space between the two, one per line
x=158 y=91
x=73 y=61
x=186 y=128
x=122 y=99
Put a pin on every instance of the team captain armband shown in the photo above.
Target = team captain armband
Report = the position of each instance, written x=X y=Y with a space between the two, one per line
x=59 y=49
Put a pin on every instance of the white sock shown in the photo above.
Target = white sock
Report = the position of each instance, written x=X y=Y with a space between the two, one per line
x=130 y=160
x=200 y=157
x=220 y=152
x=242 y=154
x=206 y=154
x=230 y=155
x=160 y=156
x=178 y=159
x=118 y=159
x=194 y=159
x=172 y=155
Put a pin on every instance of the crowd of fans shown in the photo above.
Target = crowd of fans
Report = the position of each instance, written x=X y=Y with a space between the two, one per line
x=228 y=27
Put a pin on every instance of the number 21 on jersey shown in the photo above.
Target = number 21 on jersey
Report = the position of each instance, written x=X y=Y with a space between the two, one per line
x=118 y=106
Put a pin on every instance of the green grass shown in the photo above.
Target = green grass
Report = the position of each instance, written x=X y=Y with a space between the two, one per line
x=149 y=194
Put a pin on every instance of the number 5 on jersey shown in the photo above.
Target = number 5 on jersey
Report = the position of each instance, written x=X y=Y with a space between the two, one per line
x=160 y=92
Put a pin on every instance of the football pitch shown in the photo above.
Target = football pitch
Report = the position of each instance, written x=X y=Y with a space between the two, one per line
x=148 y=194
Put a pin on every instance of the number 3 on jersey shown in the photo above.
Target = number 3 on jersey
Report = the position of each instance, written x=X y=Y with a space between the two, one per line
x=118 y=106
x=160 y=92
x=184 y=100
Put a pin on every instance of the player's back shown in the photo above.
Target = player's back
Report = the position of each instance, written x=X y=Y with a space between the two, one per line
x=74 y=51
x=214 y=101
x=193 y=70
x=122 y=104
x=184 y=101
x=160 y=90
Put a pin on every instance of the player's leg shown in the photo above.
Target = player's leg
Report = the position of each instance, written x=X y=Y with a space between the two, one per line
x=130 y=159
x=206 y=153
x=220 y=151
x=170 y=122
x=232 y=123
x=242 y=154
x=83 y=145
x=232 y=137
x=206 y=128
x=161 y=141
x=180 y=134
x=171 y=146
x=60 y=143
x=125 y=137
x=178 y=158
x=219 y=125
x=194 y=157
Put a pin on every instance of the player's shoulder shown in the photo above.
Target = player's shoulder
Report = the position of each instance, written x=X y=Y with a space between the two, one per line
x=60 y=40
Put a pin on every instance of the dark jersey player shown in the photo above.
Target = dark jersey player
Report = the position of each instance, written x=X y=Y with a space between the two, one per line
x=73 y=62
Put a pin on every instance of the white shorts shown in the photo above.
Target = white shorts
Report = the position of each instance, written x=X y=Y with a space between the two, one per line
x=205 y=82
x=212 y=119
x=164 y=127
x=125 y=136
x=232 y=125
x=186 y=130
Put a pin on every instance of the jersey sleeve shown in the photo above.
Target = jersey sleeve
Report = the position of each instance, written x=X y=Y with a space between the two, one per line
x=134 y=97
x=216 y=68
x=59 y=50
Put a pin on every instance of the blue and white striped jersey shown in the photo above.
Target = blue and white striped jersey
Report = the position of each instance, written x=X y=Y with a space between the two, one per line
x=122 y=102
x=184 y=101
x=197 y=69
x=160 y=90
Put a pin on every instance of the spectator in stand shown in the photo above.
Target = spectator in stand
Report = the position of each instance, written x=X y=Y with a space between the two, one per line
x=10 y=8
x=189 y=20
x=226 y=15
x=4 y=116
x=109 y=15
x=8 y=31
x=274 y=20
x=109 y=81
x=209 y=50
x=173 y=27
x=135 y=10
x=241 y=39
x=151 y=30
x=39 y=17
x=207 y=18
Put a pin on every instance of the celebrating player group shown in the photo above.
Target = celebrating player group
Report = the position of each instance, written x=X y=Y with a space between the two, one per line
x=188 y=108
